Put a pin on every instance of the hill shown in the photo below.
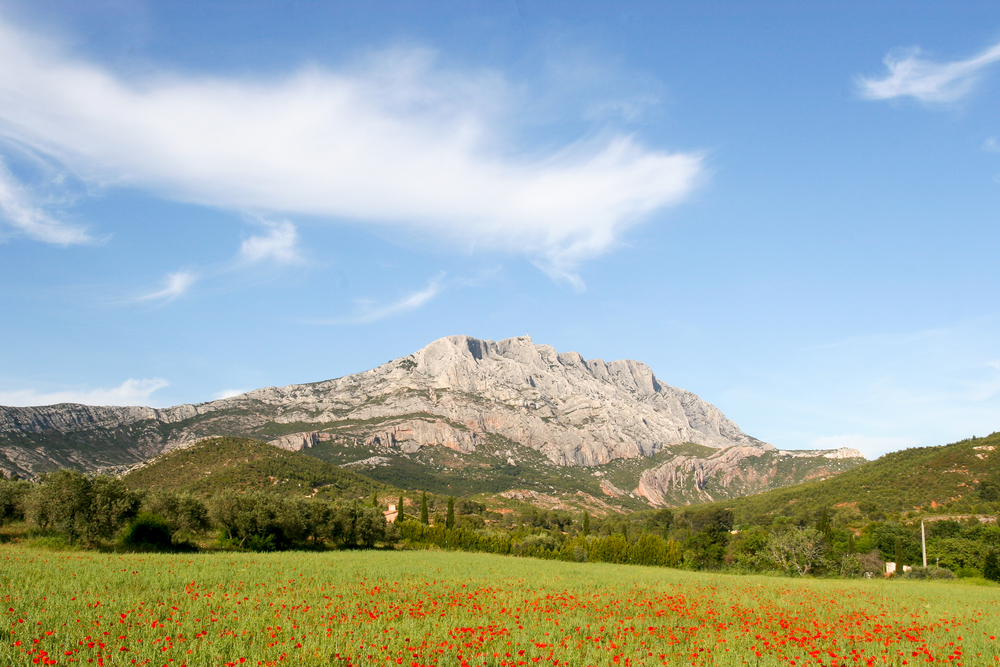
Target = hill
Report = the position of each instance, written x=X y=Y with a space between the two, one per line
x=960 y=478
x=458 y=416
x=214 y=464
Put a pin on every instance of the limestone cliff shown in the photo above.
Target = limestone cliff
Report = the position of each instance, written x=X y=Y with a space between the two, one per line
x=495 y=403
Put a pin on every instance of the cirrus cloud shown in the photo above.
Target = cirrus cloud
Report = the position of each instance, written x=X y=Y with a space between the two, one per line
x=399 y=141
x=176 y=284
x=18 y=211
x=911 y=75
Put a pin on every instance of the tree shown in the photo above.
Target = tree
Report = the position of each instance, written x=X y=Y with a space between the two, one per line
x=991 y=566
x=186 y=514
x=61 y=502
x=13 y=494
x=399 y=510
x=797 y=550
x=260 y=521
x=449 y=521
x=113 y=506
x=375 y=499
x=586 y=523
x=79 y=506
x=899 y=554
x=825 y=526
x=424 y=519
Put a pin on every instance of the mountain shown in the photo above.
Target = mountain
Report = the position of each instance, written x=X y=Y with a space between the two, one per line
x=461 y=415
x=960 y=478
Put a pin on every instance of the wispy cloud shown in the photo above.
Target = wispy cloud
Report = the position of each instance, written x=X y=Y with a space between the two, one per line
x=911 y=75
x=18 y=211
x=280 y=245
x=371 y=312
x=130 y=392
x=176 y=285
x=991 y=145
x=397 y=141
x=229 y=393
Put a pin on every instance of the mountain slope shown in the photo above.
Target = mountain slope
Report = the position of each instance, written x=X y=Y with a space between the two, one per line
x=963 y=477
x=215 y=464
x=460 y=413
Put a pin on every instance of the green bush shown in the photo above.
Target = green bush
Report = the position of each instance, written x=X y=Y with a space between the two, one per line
x=148 y=531
x=929 y=573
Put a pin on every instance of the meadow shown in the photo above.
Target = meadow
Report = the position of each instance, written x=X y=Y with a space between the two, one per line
x=448 y=608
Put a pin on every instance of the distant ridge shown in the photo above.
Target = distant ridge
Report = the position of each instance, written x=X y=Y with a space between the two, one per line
x=947 y=479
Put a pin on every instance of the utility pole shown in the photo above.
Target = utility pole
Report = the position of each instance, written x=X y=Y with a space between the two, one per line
x=923 y=541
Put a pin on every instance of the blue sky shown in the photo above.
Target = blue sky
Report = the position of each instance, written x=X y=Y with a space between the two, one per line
x=788 y=208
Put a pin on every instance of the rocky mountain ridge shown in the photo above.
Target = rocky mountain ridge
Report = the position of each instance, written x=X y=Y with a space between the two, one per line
x=488 y=405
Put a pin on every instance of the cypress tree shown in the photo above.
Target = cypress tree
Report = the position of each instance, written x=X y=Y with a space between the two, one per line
x=449 y=521
x=850 y=543
x=399 y=510
x=825 y=526
x=424 y=518
x=991 y=566
x=586 y=523
x=375 y=500
x=899 y=555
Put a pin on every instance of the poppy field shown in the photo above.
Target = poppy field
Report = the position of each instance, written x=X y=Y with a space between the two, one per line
x=443 y=608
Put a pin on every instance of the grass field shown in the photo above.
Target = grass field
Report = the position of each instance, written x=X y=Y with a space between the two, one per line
x=442 y=608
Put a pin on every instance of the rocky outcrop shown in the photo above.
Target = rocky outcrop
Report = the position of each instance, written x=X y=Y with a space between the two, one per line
x=573 y=410
x=461 y=393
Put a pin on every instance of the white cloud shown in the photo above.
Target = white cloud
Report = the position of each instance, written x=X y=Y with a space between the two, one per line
x=911 y=75
x=130 y=392
x=32 y=221
x=228 y=393
x=871 y=446
x=279 y=245
x=176 y=285
x=369 y=312
x=398 y=142
x=991 y=145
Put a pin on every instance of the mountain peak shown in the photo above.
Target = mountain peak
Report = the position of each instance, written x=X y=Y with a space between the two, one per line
x=495 y=403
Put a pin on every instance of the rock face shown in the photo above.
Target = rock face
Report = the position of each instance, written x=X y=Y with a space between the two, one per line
x=476 y=398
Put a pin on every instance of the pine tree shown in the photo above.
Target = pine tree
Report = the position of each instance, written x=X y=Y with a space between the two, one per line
x=399 y=510
x=449 y=521
x=586 y=523
x=424 y=518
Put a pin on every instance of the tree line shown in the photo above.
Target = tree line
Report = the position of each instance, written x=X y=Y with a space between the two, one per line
x=94 y=510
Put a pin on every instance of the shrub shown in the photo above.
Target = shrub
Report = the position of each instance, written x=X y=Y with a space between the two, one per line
x=148 y=531
x=539 y=546
x=929 y=573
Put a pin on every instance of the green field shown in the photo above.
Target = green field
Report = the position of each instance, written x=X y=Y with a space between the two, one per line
x=445 y=608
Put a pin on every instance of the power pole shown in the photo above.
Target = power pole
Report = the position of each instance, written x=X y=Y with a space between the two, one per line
x=923 y=541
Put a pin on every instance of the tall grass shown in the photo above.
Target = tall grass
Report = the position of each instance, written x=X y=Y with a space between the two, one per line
x=445 y=608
